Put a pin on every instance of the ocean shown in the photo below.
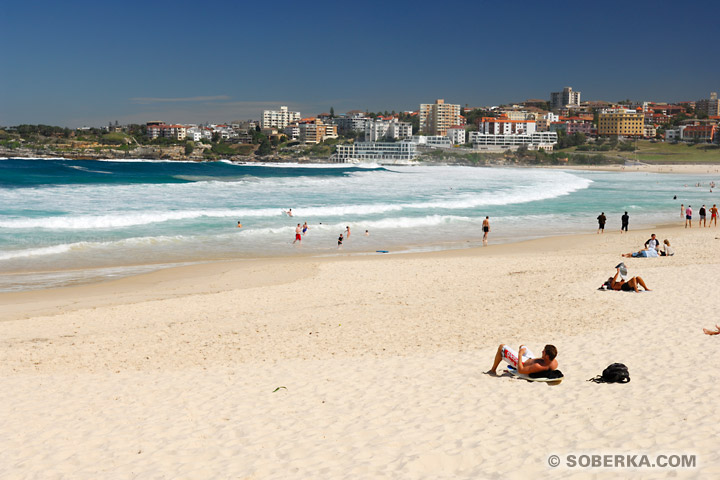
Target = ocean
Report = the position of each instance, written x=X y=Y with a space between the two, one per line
x=76 y=221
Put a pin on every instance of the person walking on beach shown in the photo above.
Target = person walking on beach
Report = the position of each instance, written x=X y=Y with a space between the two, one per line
x=601 y=222
x=703 y=216
x=524 y=361
x=625 y=219
x=305 y=228
x=486 y=230
x=713 y=215
x=682 y=210
x=340 y=240
x=688 y=216
x=298 y=236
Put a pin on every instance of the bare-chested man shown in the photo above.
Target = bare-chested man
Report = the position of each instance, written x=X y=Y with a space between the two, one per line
x=298 y=234
x=486 y=230
x=523 y=360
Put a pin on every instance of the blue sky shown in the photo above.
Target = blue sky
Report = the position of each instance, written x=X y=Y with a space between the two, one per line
x=80 y=63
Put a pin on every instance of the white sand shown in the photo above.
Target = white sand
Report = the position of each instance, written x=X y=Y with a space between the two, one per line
x=381 y=359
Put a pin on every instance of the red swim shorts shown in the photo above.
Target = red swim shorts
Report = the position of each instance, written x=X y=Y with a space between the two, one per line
x=298 y=236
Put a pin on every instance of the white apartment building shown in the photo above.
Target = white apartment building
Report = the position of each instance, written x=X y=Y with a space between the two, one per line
x=194 y=133
x=456 y=135
x=378 y=129
x=505 y=126
x=178 y=132
x=292 y=131
x=225 y=132
x=279 y=118
x=353 y=123
x=534 y=141
x=436 y=118
x=400 y=130
x=433 y=141
x=674 y=134
x=376 y=151
x=516 y=114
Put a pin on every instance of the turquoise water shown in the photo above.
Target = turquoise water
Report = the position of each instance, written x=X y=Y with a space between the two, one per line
x=66 y=221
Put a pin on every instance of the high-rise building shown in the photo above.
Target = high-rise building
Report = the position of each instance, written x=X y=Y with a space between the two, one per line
x=560 y=100
x=621 y=122
x=708 y=106
x=279 y=118
x=436 y=118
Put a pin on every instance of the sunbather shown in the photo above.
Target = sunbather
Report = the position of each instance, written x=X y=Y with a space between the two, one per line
x=645 y=252
x=625 y=284
x=712 y=332
x=523 y=360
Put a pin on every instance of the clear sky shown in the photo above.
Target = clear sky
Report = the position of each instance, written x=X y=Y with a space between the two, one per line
x=78 y=63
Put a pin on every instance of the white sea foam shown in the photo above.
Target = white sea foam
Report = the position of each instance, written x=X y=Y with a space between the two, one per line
x=83 y=169
x=87 y=222
x=34 y=252
x=141 y=160
x=112 y=246
x=463 y=201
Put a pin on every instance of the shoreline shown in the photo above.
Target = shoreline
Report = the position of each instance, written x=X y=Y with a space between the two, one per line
x=229 y=274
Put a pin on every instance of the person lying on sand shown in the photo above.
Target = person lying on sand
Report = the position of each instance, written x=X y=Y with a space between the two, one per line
x=524 y=361
x=712 y=332
x=645 y=252
x=624 y=284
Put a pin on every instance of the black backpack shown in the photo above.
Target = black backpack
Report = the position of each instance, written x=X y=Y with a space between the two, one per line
x=615 y=373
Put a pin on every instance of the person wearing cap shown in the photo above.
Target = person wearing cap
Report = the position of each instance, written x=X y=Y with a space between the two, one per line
x=625 y=284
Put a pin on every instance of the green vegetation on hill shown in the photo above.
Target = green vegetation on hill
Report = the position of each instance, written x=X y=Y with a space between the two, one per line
x=664 y=152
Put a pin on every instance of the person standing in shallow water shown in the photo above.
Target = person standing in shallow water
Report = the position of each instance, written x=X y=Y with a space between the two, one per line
x=486 y=230
x=298 y=234
x=601 y=222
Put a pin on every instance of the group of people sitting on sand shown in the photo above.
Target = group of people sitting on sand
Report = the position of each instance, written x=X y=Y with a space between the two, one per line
x=653 y=249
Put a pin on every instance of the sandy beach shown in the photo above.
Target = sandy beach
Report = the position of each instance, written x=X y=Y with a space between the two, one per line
x=367 y=366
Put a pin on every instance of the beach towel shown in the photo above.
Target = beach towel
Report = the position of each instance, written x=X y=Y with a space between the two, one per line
x=551 y=377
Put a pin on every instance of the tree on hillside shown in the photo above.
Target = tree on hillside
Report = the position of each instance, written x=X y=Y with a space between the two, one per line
x=264 y=148
x=332 y=112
